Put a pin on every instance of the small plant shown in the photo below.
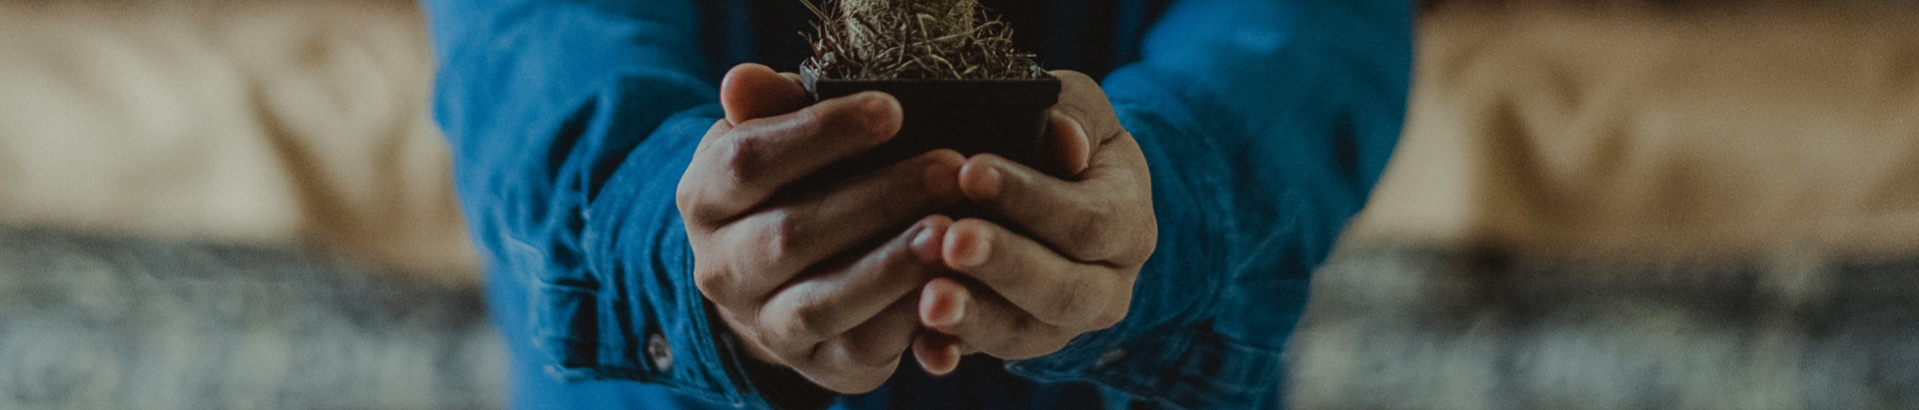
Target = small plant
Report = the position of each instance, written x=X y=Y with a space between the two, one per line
x=960 y=83
x=913 y=40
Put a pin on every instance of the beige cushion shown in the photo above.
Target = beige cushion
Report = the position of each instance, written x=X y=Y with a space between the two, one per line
x=1613 y=130
x=260 y=121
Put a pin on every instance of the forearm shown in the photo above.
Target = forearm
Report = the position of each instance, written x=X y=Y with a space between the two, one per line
x=571 y=123
x=1265 y=124
x=1271 y=120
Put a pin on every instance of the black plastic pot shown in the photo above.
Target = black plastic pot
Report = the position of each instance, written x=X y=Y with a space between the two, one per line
x=1004 y=117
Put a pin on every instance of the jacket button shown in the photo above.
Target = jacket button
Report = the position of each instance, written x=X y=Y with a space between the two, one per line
x=659 y=352
x=1110 y=357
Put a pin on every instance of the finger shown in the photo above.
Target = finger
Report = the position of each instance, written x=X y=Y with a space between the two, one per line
x=1079 y=219
x=864 y=357
x=938 y=353
x=1071 y=143
x=753 y=91
x=780 y=242
x=818 y=308
x=987 y=322
x=1082 y=98
x=740 y=168
x=1054 y=289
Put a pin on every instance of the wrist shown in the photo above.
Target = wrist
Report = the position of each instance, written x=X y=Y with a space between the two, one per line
x=741 y=337
x=781 y=386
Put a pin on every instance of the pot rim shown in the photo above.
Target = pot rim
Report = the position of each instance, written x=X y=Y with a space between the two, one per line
x=1043 y=91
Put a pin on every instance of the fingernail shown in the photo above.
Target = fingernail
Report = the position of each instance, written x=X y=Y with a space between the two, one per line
x=953 y=359
x=993 y=181
x=987 y=184
x=974 y=253
x=883 y=108
x=952 y=314
x=1083 y=157
x=878 y=104
x=942 y=177
x=937 y=356
x=922 y=242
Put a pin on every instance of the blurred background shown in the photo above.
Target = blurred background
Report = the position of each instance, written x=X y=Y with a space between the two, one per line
x=231 y=204
x=245 y=204
x=1637 y=205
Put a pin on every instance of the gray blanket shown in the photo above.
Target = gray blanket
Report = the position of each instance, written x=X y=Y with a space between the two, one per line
x=1409 y=328
x=114 y=323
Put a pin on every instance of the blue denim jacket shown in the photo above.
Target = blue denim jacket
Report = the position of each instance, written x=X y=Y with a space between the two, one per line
x=1265 y=123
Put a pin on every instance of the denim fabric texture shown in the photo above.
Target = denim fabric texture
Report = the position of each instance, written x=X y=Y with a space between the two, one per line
x=1265 y=123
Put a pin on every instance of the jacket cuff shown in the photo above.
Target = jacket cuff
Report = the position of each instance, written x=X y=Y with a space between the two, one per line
x=645 y=321
x=1189 y=368
x=1167 y=349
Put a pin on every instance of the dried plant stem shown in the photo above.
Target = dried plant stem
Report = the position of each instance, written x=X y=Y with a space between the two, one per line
x=914 y=39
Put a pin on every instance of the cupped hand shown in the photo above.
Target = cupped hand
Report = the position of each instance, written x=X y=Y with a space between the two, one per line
x=823 y=282
x=1063 y=256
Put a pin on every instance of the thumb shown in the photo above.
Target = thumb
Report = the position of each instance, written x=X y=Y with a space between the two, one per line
x=1081 y=122
x=753 y=91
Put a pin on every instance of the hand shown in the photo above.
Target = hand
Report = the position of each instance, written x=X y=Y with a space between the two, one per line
x=1072 y=272
x=823 y=282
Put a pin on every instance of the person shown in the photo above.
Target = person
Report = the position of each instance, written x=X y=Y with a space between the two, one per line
x=639 y=257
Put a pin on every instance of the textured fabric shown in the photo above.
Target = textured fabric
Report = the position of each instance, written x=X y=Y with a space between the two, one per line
x=1265 y=122
x=1400 y=327
x=90 y=322
x=1632 y=205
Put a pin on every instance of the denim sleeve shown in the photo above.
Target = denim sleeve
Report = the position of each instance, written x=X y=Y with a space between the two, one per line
x=571 y=122
x=1266 y=123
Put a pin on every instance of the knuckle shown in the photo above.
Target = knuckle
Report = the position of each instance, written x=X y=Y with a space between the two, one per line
x=1107 y=318
x=810 y=321
x=1149 y=233
x=1078 y=309
x=1070 y=308
x=1089 y=236
x=686 y=197
x=714 y=283
x=740 y=157
x=691 y=198
x=783 y=235
x=1146 y=243
x=787 y=351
